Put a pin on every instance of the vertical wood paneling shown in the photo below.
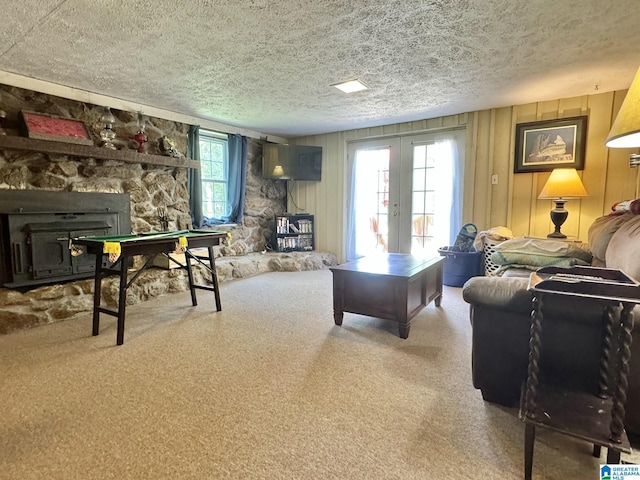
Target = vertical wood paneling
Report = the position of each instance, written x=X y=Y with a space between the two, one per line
x=522 y=183
x=431 y=123
x=572 y=107
x=621 y=181
x=594 y=175
x=390 y=129
x=540 y=224
x=451 y=121
x=334 y=222
x=490 y=136
x=403 y=127
x=547 y=110
x=470 y=168
x=501 y=166
x=482 y=179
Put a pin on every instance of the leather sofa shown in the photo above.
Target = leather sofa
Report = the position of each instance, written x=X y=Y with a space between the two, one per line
x=500 y=309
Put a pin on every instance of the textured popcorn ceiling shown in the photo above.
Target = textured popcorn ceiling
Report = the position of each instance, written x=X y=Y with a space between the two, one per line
x=267 y=65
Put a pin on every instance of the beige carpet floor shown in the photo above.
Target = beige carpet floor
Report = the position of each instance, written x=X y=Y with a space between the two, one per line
x=269 y=388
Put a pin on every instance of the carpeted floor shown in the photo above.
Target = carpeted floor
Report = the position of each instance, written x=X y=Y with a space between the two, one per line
x=269 y=388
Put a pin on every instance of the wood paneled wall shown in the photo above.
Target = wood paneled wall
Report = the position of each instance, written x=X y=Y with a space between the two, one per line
x=513 y=202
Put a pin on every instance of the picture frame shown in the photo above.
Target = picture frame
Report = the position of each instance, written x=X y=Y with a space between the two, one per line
x=545 y=145
x=51 y=127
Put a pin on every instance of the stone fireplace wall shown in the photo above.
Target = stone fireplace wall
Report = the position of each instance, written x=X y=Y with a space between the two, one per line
x=149 y=186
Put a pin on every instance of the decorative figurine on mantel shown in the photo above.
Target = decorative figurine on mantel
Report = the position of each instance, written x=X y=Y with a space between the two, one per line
x=168 y=147
x=141 y=137
x=107 y=135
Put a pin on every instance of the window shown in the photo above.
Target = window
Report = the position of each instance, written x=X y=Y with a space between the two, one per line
x=214 y=164
x=216 y=189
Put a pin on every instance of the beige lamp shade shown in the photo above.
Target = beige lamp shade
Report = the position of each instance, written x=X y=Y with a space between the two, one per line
x=625 y=132
x=563 y=183
x=278 y=171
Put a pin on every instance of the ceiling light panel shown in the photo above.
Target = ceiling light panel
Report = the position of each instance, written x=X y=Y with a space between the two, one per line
x=351 y=86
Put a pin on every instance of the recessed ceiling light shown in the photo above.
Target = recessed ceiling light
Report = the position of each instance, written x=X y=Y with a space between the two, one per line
x=350 y=86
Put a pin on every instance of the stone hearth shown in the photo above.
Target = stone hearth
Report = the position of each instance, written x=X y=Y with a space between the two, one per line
x=52 y=303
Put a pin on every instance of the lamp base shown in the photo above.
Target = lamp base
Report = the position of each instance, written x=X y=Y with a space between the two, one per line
x=558 y=216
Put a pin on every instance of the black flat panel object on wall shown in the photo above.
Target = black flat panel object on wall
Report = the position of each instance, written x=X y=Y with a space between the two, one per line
x=292 y=162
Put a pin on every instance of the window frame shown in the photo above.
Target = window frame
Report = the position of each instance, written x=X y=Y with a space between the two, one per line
x=222 y=139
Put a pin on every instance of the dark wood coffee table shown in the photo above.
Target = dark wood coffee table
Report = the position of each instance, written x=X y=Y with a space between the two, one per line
x=393 y=286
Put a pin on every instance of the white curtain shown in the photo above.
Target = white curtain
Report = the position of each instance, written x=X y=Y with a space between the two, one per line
x=351 y=210
x=450 y=183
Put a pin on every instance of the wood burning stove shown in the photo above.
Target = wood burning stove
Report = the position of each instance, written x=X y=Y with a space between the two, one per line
x=36 y=228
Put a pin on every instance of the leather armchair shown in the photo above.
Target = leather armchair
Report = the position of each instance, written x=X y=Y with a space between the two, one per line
x=500 y=309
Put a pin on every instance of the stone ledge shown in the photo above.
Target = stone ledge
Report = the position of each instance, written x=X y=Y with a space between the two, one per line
x=54 y=303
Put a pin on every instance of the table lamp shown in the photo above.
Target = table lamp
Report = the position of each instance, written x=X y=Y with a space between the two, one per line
x=562 y=185
x=625 y=131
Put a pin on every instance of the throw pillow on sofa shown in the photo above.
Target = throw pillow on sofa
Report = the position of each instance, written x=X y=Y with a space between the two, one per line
x=623 y=252
x=600 y=233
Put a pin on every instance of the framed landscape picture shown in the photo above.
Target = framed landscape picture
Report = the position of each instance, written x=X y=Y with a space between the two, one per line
x=543 y=146
x=50 y=127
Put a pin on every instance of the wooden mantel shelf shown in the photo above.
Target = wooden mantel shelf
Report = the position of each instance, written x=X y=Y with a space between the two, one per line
x=12 y=142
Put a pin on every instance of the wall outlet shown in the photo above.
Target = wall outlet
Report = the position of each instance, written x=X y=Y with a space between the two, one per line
x=494 y=179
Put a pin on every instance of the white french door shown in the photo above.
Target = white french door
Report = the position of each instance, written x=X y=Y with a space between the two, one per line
x=374 y=176
x=403 y=194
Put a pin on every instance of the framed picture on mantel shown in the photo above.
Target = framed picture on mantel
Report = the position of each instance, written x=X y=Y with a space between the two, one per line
x=543 y=146
x=50 y=127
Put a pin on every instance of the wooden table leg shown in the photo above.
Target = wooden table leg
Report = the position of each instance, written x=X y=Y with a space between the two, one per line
x=403 y=330
x=529 y=438
x=97 y=290
x=214 y=278
x=192 y=288
x=338 y=301
x=613 y=456
x=597 y=450
x=400 y=302
x=122 y=299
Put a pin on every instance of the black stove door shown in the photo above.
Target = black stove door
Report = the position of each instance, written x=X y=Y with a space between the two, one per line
x=83 y=262
x=50 y=255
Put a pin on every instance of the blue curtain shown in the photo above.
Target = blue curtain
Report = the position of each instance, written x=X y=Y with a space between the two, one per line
x=237 y=177
x=237 y=151
x=195 y=177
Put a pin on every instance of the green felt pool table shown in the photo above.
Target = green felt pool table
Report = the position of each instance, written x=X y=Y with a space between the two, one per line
x=120 y=249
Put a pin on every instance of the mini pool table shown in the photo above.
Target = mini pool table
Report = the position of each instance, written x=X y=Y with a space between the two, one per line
x=121 y=248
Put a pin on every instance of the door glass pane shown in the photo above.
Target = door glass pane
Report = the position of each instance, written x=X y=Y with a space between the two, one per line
x=418 y=202
x=372 y=201
x=419 y=178
x=423 y=204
